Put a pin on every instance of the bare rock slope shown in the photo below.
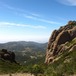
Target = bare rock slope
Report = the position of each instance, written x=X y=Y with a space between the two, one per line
x=59 y=39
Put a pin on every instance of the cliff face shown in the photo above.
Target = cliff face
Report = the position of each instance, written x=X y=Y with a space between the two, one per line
x=59 y=39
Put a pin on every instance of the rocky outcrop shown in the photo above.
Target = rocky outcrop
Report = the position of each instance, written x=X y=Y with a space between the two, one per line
x=58 y=39
x=7 y=55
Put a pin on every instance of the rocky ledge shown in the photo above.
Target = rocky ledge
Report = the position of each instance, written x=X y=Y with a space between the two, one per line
x=59 y=39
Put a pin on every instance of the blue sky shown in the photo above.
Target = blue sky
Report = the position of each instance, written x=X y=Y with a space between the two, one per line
x=33 y=20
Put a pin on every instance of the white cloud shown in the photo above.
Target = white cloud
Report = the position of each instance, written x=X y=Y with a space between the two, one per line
x=48 y=21
x=31 y=17
x=5 y=24
x=7 y=38
x=34 y=14
x=68 y=2
x=42 y=20
x=27 y=14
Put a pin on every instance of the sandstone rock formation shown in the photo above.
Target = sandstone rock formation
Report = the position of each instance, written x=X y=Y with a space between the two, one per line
x=58 y=39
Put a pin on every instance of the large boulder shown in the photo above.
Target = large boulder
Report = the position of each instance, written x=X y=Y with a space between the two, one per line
x=58 y=38
x=7 y=55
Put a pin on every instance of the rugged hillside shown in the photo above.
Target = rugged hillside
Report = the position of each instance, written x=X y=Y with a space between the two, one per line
x=7 y=67
x=59 y=40
x=26 y=52
x=23 y=46
x=65 y=63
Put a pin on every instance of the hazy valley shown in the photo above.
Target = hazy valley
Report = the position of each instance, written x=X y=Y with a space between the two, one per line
x=26 y=51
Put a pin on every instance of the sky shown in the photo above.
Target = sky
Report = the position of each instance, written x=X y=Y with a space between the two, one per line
x=33 y=20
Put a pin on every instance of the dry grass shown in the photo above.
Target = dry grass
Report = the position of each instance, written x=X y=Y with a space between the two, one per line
x=17 y=74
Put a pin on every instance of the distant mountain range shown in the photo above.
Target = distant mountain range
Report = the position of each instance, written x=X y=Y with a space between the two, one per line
x=26 y=51
x=23 y=46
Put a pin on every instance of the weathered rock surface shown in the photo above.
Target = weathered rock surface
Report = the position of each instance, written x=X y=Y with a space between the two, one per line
x=7 y=55
x=58 y=39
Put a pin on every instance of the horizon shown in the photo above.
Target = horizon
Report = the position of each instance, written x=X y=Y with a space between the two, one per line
x=23 y=41
x=33 y=20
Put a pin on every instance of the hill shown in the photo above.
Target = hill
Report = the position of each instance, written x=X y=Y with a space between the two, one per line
x=7 y=67
x=65 y=63
x=26 y=51
x=23 y=46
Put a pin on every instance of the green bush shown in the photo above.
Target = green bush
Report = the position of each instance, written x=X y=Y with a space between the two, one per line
x=65 y=66
x=7 y=67
x=37 y=69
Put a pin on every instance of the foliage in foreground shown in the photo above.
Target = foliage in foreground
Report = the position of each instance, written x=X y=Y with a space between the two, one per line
x=7 y=67
x=65 y=66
